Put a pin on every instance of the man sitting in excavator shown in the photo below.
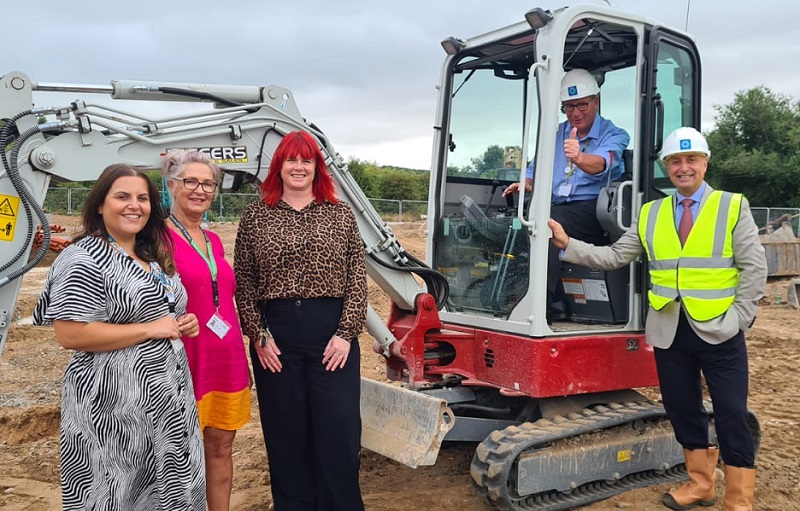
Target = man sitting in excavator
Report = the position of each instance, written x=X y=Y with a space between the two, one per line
x=592 y=146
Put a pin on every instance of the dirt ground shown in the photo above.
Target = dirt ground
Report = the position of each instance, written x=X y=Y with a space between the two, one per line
x=32 y=365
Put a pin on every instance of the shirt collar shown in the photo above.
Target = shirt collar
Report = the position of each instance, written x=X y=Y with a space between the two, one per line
x=594 y=131
x=282 y=204
x=696 y=196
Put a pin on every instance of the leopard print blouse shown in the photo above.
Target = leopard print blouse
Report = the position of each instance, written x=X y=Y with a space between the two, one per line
x=312 y=253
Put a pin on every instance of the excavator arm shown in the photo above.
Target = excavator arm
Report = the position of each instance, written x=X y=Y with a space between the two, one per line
x=240 y=127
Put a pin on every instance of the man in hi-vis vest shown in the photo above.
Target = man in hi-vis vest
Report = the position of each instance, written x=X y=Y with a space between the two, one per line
x=707 y=273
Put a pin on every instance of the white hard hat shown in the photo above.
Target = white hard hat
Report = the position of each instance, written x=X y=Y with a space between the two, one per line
x=577 y=84
x=684 y=140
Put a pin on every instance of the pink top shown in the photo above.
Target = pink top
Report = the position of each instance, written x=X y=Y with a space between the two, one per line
x=219 y=369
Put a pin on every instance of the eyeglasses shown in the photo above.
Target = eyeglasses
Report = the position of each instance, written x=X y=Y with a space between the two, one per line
x=191 y=183
x=582 y=107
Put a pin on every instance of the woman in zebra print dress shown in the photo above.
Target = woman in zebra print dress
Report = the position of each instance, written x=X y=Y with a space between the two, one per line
x=130 y=438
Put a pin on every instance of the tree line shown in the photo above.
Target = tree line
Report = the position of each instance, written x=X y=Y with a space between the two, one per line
x=755 y=150
x=388 y=182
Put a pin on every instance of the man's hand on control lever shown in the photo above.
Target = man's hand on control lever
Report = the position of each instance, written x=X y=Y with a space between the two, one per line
x=514 y=188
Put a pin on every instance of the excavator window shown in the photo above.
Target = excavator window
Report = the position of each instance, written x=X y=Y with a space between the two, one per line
x=675 y=85
x=479 y=244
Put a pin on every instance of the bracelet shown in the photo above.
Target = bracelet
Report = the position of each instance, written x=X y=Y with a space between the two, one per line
x=264 y=336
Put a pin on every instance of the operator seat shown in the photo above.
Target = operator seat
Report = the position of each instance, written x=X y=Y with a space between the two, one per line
x=615 y=202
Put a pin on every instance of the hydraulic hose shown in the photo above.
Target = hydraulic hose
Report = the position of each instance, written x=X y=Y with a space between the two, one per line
x=30 y=203
x=199 y=95
x=9 y=125
x=436 y=282
x=206 y=96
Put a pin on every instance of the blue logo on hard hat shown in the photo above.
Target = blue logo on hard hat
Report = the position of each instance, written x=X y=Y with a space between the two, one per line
x=572 y=91
x=686 y=144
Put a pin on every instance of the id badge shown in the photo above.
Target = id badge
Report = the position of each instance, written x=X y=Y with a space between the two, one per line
x=564 y=190
x=218 y=325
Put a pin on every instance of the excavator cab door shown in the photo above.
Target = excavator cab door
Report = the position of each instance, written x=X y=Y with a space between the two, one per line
x=672 y=86
x=672 y=100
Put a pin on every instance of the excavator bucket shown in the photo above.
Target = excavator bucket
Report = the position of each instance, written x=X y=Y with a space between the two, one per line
x=402 y=424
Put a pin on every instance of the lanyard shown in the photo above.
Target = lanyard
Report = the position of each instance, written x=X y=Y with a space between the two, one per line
x=210 y=261
x=572 y=164
x=156 y=272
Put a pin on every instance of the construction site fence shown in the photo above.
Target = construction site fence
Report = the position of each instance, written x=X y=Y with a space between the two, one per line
x=229 y=206
x=771 y=219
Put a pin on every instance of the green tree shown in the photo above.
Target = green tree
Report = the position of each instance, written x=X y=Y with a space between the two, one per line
x=399 y=186
x=387 y=182
x=758 y=119
x=755 y=148
x=489 y=162
x=365 y=175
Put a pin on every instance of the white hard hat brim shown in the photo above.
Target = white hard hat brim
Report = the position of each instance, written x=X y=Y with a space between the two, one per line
x=674 y=153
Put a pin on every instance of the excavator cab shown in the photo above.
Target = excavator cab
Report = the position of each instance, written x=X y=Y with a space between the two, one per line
x=501 y=91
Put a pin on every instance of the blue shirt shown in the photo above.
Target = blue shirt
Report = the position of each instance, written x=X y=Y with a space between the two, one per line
x=603 y=138
x=696 y=196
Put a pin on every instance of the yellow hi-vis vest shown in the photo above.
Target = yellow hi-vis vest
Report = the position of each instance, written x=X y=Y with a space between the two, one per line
x=702 y=273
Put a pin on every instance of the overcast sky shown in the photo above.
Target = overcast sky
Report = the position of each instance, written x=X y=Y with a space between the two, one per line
x=363 y=71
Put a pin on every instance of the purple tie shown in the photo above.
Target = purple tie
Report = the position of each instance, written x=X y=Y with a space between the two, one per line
x=686 y=220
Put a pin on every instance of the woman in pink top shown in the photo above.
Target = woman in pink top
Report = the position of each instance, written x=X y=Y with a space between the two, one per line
x=217 y=359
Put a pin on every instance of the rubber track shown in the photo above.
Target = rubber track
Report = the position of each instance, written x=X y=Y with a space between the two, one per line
x=495 y=457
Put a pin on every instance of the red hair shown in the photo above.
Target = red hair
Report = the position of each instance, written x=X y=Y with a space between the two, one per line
x=293 y=144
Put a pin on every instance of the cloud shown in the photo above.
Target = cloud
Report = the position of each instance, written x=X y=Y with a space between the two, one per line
x=365 y=72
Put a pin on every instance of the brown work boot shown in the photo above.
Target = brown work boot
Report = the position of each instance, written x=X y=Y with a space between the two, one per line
x=701 y=465
x=739 y=486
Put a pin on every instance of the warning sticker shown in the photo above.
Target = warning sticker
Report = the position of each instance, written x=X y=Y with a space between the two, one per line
x=595 y=290
x=9 y=206
x=574 y=287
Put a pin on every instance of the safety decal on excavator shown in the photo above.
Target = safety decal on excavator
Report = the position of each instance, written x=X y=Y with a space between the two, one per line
x=575 y=288
x=624 y=455
x=9 y=205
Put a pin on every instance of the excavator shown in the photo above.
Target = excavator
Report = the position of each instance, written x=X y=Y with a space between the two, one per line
x=557 y=409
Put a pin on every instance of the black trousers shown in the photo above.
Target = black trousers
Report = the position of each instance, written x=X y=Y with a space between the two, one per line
x=310 y=417
x=579 y=220
x=725 y=369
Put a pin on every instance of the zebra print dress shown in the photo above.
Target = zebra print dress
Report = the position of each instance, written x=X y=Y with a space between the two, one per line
x=130 y=439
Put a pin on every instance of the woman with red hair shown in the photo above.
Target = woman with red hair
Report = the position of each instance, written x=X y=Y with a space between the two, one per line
x=302 y=299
